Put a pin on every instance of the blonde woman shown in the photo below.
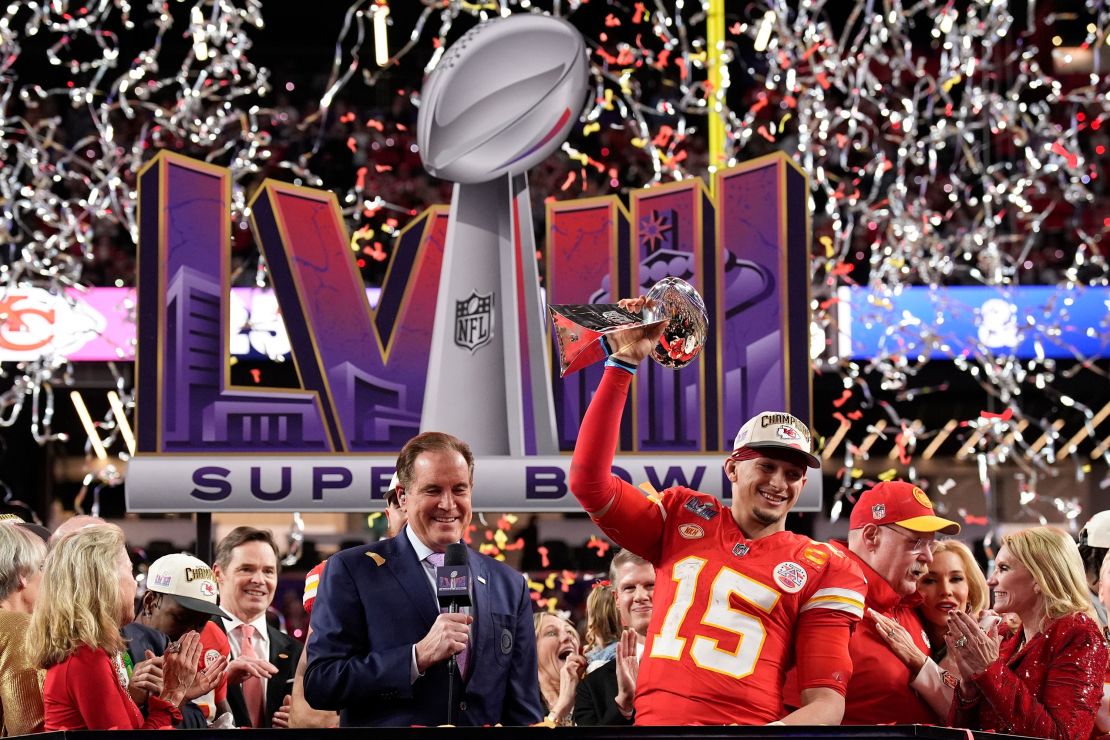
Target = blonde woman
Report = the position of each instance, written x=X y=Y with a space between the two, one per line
x=87 y=594
x=1045 y=679
x=561 y=666
x=21 y=556
x=603 y=626
x=952 y=583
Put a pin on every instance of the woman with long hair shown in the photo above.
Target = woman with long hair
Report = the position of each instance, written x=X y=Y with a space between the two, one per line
x=87 y=594
x=1044 y=679
x=603 y=625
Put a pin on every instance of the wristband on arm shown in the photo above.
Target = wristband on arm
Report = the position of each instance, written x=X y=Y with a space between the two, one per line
x=611 y=361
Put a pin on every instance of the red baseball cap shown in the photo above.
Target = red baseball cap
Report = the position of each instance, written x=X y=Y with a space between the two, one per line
x=901 y=503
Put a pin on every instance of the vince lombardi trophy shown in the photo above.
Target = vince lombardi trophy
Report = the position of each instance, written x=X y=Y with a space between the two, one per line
x=502 y=99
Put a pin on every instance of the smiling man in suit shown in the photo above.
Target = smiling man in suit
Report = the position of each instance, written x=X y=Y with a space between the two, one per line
x=380 y=647
x=260 y=675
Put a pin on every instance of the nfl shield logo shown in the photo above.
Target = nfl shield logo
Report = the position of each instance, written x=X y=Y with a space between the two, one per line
x=878 y=511
x=740 y=550
x=474 y=321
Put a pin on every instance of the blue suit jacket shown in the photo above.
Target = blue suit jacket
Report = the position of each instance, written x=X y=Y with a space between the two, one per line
x=375 y=602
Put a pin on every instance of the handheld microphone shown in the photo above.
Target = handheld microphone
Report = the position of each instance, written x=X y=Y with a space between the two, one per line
x=453 y=579
x=453 y=591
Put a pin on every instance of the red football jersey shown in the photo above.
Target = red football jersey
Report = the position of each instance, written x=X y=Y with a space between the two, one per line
x=727 y=610
x=214 y=642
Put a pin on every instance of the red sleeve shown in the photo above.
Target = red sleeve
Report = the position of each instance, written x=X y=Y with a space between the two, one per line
x=630 y=518
x=213 y=638
x=822 y=649
x=1069 y=702
x=102 y=703
x=825 y=625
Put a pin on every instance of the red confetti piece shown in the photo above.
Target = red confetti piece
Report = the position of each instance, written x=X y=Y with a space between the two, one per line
x=969 y=519
x=640 y=12
x=843 y=268
x=855 y=415
x=544 y=561
x=360 y=179
x=599 y=544
x=1004 y=416
x=347 y=117
x=383 y=167
x=843 y=399
x=1073 y=160
x=352 y=144
x=571 y=176
x=611 y=21
x=375 y=124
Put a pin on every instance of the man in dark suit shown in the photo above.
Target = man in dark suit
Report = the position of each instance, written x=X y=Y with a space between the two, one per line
x=605 y=696
x=380 y=648
x=260 y=674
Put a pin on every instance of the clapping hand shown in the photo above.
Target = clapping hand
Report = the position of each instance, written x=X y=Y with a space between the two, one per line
x=207 y=678
x=146 y=679
x=628 y=668
x=179 y=667
x=973 y=649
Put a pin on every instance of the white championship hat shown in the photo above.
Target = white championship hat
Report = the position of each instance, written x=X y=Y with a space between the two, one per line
x=776 y=429
x=188 y=580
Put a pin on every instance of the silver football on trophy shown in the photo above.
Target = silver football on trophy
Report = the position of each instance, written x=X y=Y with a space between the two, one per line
x=685 y=335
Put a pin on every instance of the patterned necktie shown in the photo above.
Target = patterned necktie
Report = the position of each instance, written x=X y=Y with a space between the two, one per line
x=463 y=658
x=252 y=686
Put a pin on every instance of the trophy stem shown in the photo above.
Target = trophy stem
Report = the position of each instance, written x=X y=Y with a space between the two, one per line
x=487 y=373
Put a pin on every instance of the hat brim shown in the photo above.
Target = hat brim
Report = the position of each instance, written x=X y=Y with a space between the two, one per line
x=930 y=524
x=198 y=605
x=812 y=461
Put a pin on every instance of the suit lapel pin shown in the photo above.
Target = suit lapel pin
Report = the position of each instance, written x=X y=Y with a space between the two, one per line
x=481 y=580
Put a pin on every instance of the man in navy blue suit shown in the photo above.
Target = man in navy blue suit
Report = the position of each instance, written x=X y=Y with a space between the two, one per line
x=380 y=647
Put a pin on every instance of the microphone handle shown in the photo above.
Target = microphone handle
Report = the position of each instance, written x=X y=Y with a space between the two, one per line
x=452 y=671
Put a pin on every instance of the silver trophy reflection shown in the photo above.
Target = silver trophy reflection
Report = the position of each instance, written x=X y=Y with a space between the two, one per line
x=501 y=99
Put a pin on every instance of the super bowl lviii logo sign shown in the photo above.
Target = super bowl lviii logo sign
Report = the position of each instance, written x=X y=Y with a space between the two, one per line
x=457 y=341
x=206 y=444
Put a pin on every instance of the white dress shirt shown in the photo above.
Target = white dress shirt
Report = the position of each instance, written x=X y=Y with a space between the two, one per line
x=260 y=640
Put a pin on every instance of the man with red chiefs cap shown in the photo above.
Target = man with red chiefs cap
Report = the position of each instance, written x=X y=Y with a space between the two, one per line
x=892 y=534
x=737 y=597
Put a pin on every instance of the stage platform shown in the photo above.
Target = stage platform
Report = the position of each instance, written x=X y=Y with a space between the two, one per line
x=568 y=733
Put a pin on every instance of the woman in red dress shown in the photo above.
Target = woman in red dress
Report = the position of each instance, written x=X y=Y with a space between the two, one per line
x=87 y=594
x=1045 y=679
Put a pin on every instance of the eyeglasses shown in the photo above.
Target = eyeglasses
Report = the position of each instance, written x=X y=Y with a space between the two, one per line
x=920 y=544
